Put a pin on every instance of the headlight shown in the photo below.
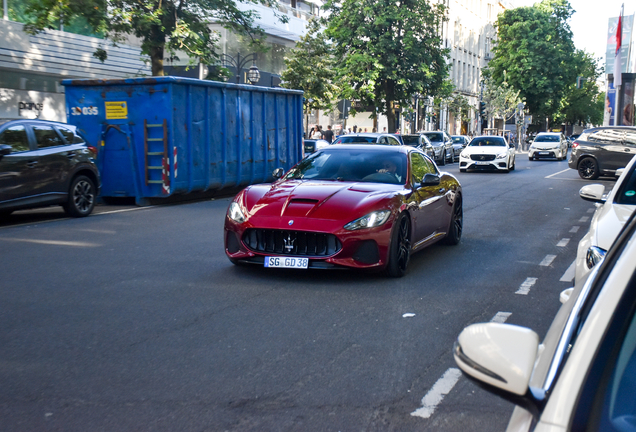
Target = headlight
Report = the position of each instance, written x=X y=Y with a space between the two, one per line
x=235 y=213
x=373 y=219
x=502 y=155
x=464 y=155
x=594 y=255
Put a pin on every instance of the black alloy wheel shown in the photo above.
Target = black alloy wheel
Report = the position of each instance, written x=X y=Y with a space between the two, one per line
x=81 y=197
x=456 y=227
x=588 y=169
x=400 y=248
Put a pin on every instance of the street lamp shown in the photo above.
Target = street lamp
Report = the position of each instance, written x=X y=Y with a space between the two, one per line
x=253 y=75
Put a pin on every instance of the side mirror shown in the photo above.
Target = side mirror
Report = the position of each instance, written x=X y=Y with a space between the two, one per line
x=430 y=180
x=619 y=172
x=5 y=149
x=278 y=173
x=500 y=357
x=593 y=192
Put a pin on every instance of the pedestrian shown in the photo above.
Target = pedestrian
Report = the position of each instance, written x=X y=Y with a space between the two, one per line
x=317 y=134
x=384 y=129
x=328 y=135
x=355 y=129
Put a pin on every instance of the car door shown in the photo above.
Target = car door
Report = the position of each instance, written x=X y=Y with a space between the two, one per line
x=54 y=159
x=609 y=149
x=427 y=204
x=17 y=169
x=629 y=142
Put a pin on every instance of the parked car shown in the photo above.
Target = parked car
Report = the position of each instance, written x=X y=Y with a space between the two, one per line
x=419 y=141
x=603 y=150
x=548 y=145
x=346 y=206
x=583 y=375
x=311 y=145
x=611 y=214
x=46 y=163
x=488 y=153
x=442 y=145
x=369 y=138
x=459 y=143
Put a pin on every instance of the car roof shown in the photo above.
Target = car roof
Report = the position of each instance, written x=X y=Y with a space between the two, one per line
x=370 y=147
x=549 y=133
x=609 y=127
x=4 y=121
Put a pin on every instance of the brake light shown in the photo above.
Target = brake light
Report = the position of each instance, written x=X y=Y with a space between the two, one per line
x=92 y=150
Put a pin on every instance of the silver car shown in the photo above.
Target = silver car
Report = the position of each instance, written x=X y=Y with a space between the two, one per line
x=442 y=146
x=459 y=142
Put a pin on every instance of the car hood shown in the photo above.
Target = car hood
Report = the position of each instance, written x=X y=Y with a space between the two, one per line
x=608 y=222
x=545 y=144
x=330 y=200
x=485 y=150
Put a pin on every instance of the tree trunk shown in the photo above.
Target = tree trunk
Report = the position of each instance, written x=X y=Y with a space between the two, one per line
x=390 y=116
x=157 y=40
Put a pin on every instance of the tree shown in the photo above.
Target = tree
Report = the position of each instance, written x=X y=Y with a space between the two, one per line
x=582 y=104
x=458 y=105
x=386 y=51
x=163 y=26
x=310 y=67
x=500 y=99
x=535 y=50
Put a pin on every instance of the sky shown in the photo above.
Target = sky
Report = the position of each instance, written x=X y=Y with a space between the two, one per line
x=589 y=22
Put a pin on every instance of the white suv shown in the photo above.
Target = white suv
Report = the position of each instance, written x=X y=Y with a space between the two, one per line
x=549 y=145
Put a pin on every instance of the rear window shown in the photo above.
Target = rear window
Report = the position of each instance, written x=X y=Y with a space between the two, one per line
x=356 y=139
x=411 y=140
x=435 y=136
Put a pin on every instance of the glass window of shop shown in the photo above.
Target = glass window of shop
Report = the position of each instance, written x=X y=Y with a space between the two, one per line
x=272 y=61
x=20 y=80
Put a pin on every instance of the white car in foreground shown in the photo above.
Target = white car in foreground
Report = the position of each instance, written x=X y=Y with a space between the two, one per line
x=550 y=145
x=610 y=216
x=488 y=153
x=583 y=376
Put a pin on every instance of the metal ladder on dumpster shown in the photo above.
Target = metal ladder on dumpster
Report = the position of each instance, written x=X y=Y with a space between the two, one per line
x=152 y=155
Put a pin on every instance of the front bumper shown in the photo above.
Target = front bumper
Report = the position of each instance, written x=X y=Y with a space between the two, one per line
x=539 y=153
x=483 y=165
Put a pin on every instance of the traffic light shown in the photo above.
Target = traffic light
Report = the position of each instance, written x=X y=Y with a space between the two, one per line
x=579 y=82
x=482 y=109
x=344 y=105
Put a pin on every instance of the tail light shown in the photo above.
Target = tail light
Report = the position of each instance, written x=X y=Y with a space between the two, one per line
x=92 y=150
x=575 y=144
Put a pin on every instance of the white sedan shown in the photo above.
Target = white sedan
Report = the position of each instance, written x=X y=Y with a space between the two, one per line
x=551 y=145
x=583 y=376
x=488 y=153
x=609 y=218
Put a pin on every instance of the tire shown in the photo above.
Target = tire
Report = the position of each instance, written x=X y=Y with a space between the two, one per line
x=514 y=162
x=4 y=214
x=530 y=158
x=442 y=161
x=81 y=197
x=456 y=227
x=588 y=169
x=462 y=170
x=400 y=247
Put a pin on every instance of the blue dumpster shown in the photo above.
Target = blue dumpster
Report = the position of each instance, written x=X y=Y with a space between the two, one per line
x=162 y=136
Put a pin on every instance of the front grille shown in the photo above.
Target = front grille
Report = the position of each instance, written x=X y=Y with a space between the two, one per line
x=482 y=157
x=285 y=242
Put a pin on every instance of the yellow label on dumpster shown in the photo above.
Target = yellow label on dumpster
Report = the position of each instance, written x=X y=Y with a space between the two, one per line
x=116 y=110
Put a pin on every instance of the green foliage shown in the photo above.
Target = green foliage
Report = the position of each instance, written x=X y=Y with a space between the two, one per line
x=310 y=67
x=161 y=25
x=386 y=51
x=458 y=105
x=535 y=54
x=583 y=105
x=501 y=99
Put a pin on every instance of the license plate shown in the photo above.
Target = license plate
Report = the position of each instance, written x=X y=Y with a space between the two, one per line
x=286 y=262
x=482 y=163
x=544 y=153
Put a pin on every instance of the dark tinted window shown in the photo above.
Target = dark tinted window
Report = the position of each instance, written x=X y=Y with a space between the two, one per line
x=411 y=140
x=356 y=139
x=548 y=138
x=490 y=141
x=630 y=138
x=606 y=136
x=435 y=136
x=69 y=136
x=45 y=136
x=16 y=137
x=627 y=193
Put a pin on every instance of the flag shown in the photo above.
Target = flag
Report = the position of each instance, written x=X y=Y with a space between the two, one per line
x=617 y=54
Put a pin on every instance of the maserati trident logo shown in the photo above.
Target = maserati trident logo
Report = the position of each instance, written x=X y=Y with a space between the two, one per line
x=289 y=243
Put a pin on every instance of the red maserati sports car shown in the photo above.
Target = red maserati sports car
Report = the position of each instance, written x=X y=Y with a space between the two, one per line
x=358 y=206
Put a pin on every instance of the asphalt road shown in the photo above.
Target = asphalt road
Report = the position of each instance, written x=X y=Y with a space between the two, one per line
x=133 y=319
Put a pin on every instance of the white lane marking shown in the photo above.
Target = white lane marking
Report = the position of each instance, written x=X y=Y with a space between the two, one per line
x=575 y=229
x=408 y=315
x=564 y=242
x=560 y=172
x=547 y=260
x=53 y=242
x=501 y=317
x=568 y=276
x=591 y=210
x=584 y=219
x=435 y=395
x=123 y=210
x=524 y=288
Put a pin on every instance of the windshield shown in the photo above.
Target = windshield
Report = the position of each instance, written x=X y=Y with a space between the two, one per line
x=356 y=139
x=547 y=138
x=458 y=140
x=482 y=142
x=435 y=136
x=366 y=165
x=411 y=140
x=627 y=192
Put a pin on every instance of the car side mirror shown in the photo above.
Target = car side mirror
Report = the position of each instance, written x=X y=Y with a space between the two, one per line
x=619 y=172
x=500 y=358
x=278 y=173
x=593 y=192
x=5 y=149
x=430 y=180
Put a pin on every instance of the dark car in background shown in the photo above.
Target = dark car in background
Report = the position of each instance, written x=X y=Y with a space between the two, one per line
x=419 y=141
x=603 y=150
x=311 y=145
x=442 y=145
x=46 y=163
x=369 y=138
x=459 y=143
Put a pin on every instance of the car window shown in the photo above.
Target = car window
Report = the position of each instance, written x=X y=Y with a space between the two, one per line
x=419 y=167
x=435 y=136
x=630 y=138
x=69 y=136
x=393 y=141
x=45 y=136
x=356 y=139
x=411 y=140
x=547 y=138
x=481 y=142
x=627 y=192
x=383 y=140
x=606 y=136
x=16 y=137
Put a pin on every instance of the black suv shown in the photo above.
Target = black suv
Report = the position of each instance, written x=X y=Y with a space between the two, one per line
x=603 y=150
x=46 y=163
